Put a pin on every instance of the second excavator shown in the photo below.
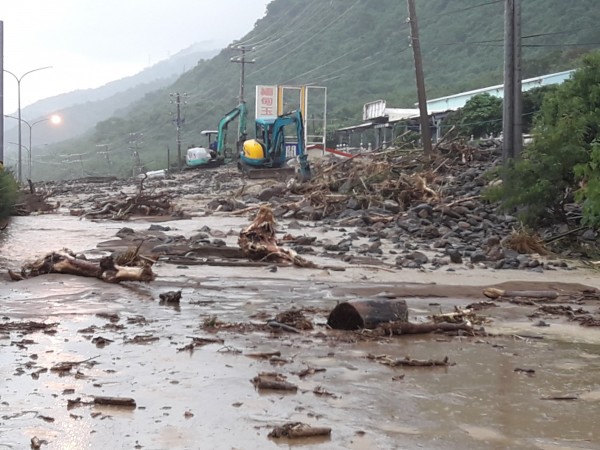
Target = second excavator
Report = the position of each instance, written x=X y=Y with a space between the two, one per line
x=219 y=150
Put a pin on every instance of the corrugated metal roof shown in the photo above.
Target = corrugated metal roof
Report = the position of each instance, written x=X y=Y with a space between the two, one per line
x=498 y=89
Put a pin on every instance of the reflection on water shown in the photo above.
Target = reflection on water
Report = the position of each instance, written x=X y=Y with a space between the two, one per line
x=29 y=237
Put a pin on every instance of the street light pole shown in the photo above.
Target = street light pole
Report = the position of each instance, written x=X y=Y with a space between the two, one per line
x=19 y=166
x=28 y=150
x=54 y=119
x=30 y=145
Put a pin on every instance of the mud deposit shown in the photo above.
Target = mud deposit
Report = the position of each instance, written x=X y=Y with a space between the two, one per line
x=522 y=387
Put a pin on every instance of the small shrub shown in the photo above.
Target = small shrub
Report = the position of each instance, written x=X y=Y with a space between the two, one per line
x=9 y=192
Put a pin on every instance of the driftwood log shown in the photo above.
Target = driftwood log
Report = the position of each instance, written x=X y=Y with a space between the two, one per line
x=410 y=362
x=66 y=262
x=296 y=430
x=126 y=402
x=360 y=314
x=273 y=381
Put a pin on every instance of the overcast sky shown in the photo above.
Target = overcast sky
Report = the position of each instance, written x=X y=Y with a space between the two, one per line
x=91 y=42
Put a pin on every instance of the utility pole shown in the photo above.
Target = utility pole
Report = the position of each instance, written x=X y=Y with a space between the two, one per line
x=512 y=116
x=243 y=61
x=178 y=123
x=422 y=96
x=106 y=154
x=135 y=139
x=518 y=91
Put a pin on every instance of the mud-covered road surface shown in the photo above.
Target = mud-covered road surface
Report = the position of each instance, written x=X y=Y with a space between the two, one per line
x=521 y=386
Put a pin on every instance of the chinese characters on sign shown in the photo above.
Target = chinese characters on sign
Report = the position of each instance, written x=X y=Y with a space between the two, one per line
x=266 y=101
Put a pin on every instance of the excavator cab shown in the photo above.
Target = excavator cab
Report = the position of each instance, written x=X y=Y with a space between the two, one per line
x=266 y=155
x=257 y=152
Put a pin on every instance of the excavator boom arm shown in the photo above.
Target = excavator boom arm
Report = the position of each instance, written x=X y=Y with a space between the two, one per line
x=239 y=111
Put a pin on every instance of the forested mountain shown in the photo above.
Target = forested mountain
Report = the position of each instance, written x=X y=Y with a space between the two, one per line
x=359 y=50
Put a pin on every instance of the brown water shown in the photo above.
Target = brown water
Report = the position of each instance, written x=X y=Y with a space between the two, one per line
x=205 y=400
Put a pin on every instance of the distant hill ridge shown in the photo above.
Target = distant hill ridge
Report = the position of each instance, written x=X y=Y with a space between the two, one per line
x=84 y=108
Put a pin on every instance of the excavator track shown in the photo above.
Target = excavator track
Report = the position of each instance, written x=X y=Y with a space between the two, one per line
x=254 y=173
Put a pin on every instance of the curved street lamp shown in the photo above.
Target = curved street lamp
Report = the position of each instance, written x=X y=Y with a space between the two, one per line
x=55 y=119
x=20 y=178
x=24 y=146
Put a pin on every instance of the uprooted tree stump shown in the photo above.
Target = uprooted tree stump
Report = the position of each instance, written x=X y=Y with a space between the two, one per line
x=360 y=314
x=259 y=243
x=66 y=262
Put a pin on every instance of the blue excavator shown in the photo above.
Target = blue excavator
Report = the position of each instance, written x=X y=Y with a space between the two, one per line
x=218 y=151
x=267 y=155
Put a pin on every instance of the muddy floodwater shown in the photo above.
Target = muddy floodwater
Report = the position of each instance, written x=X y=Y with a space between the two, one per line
x=524 y=386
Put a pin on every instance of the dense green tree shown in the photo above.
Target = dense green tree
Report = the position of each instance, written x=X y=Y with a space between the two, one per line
x=532 y=104
x=564 y=159
x=481 y=116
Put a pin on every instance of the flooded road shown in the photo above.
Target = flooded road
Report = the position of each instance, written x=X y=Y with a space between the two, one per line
x=529 y=387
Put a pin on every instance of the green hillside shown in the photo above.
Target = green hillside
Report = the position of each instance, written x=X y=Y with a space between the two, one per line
x=358 y=49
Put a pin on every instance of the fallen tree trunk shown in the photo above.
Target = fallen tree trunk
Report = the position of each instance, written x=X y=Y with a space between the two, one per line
x=497 y=293
x=410 y=362
x=399 y=328
x=66 y=263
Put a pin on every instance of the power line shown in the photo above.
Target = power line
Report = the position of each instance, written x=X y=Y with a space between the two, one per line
x=277 y=24
x=564 y=45
x=461 y=10
x=291 y=29
x=552 y=33
x=331 y=61
x=307 y=40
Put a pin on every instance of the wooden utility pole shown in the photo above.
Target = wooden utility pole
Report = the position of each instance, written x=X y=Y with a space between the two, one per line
x=2 y=94
x=178 y=124
x=178 y=101
x=518 y=90
x=422 y=96
x=135 y=140
x=243 y=61
x=512 y=117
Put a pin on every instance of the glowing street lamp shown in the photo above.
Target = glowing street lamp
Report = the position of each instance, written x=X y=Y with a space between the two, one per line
x=55 y=119
x=20 y=178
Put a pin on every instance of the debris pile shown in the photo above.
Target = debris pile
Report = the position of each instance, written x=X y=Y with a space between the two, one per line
x=35 y=201
x=123 y=206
